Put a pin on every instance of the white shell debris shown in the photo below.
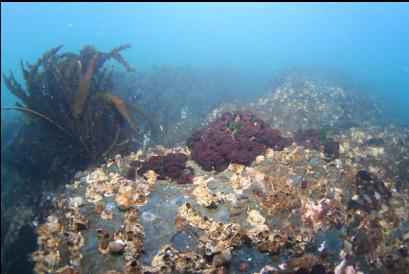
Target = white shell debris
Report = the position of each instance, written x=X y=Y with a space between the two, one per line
x=255 y=218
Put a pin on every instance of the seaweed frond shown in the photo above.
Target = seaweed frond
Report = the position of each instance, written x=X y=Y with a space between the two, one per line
x=82 y=92
x=117 y=56
x=120 y=107
x=16 y=88
x=35 y=113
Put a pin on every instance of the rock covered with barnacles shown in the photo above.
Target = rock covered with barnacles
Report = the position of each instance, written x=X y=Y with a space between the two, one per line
x=170 y=260
x=266 y=241
x=291 y=211
x=305 y=102
x=204 y=196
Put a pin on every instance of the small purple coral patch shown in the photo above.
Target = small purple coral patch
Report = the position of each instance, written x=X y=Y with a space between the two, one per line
x=172 y=165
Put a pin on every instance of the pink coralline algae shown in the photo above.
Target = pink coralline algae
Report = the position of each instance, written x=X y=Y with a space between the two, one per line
x=173 y=166
x=233 y=138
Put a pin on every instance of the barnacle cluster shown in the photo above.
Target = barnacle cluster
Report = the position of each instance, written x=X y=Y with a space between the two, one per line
x=58 y=242
x=227 y=235
x=204 y=196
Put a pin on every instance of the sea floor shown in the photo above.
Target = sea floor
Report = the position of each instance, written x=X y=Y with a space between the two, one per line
x=290 y=209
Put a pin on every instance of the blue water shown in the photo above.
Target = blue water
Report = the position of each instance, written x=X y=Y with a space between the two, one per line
x=369 y=42
x=363 y=44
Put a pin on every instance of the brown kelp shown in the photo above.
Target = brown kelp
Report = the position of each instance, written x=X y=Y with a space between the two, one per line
x=71 y=95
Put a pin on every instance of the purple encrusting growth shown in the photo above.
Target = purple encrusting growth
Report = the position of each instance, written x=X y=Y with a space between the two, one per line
x=172 y=165
x=233 y=138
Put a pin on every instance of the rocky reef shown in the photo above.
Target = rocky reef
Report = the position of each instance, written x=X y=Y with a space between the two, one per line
x=288 y=211
x=304 y=102
x=332 y=201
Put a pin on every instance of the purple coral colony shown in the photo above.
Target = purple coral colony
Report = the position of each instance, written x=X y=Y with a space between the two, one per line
x=234 y=138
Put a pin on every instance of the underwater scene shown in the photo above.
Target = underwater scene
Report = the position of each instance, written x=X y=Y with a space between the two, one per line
x=216 y=138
